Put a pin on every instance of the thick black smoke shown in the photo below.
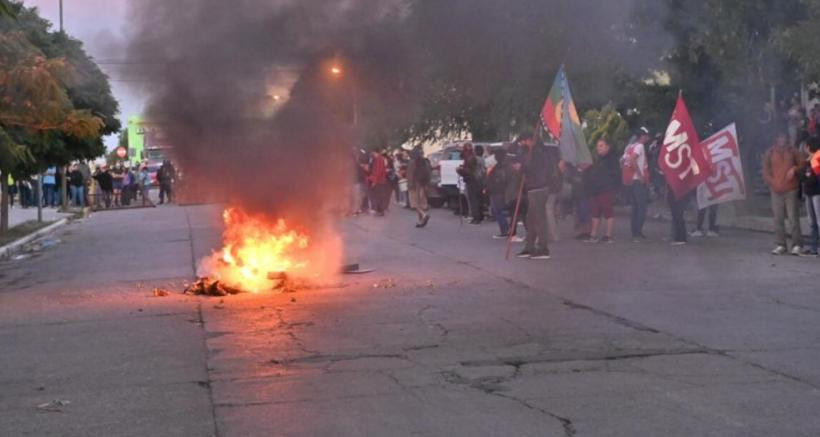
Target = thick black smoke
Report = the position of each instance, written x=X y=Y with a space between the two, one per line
x=218 y=65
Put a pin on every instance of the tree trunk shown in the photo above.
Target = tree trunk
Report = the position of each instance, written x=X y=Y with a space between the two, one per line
x=4 y=202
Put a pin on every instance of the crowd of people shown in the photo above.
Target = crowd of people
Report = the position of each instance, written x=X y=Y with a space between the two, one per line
x=97 y=186
x=553 y=189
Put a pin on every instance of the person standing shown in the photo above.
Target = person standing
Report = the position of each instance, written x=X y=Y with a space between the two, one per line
x=511 y=191
x=677 y=206
x=106 y=182
x=377 y=182
x=538 y=172
x=117 y=175
x=554 y=188
x=811 y=189
x=76 y=186
x=144 y=183
x=468 y=171
x=782 y=164
x=166 y=177
x=50 y=187
x=635 y=175
x=601 y=182
x=712 y=212
x=496 y=189
x=419 y=174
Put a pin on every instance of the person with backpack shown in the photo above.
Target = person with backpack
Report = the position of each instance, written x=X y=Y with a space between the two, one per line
x=811 y=189
x=419 y=174
x=496 y=189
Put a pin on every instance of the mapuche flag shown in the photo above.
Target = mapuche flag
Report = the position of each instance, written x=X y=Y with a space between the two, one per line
x=682 y=158
x=561 y=118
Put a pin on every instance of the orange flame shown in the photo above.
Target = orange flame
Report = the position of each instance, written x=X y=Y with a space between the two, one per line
x=254 y=248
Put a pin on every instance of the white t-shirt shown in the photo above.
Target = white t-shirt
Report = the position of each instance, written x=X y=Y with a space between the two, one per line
x=636 y=152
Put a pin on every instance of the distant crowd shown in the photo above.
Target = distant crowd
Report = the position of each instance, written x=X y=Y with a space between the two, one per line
x=552 y=189
x=97 y=186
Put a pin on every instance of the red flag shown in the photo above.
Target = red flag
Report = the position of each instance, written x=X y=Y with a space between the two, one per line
x=682 y=158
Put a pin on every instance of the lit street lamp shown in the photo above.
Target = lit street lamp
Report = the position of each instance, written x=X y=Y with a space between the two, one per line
x=337 y=71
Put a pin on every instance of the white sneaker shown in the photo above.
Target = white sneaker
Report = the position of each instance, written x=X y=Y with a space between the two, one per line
x=712 y=234
x=517 y=239
x=779 y=250
x=797 y=250
x=697 y=233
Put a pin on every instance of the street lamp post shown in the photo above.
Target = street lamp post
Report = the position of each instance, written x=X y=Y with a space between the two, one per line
x=337 y=71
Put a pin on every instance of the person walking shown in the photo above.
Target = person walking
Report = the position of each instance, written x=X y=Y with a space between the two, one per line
x=419 y=174
x=166 y=177
x=496 y=189
x=811 y=189
x=635 y=175
x=76 y=185
x=601 y=182
x=538 y=171
x=782 y=164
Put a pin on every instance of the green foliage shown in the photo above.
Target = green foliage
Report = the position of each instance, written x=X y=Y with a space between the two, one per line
x=606 y=123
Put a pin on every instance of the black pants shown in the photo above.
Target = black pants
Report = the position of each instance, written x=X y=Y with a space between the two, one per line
x=165 y=189
x=474 y=196
x=712 y=211
x=676 y=207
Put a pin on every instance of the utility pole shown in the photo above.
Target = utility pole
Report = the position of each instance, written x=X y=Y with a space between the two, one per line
x=64 y=169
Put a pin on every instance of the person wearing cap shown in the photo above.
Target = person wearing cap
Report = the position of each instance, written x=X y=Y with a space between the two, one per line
x=635 y=175
x=539 y=171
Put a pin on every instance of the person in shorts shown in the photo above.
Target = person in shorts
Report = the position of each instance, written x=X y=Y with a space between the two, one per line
x=601 y=182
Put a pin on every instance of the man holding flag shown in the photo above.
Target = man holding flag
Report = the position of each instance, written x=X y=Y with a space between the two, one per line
x=684 y=163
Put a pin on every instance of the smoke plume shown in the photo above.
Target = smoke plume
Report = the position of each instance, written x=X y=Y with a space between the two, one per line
x=243 y=91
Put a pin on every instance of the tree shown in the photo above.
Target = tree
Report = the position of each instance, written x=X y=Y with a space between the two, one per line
x=56 y=104
x=606 y=123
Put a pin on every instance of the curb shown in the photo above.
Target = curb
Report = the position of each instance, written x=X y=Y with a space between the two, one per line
x=10 y=248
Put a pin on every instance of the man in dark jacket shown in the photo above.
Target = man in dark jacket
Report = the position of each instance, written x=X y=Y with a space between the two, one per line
x=539 y=171
x=166 y=177
x=601 y=182
x=106 y=182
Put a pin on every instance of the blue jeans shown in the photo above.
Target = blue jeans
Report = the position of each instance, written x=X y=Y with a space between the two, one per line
x=77 y=197
x=639 y=196
x=813 y=207
x=500 y=214
x=49 y=195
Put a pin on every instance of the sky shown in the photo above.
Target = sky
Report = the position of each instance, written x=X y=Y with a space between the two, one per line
x=102 y=26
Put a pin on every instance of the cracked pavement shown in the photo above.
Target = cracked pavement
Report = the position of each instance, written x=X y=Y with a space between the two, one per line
x=715 y=338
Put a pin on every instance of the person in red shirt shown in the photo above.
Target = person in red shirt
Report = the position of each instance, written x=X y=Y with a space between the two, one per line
x=377 y=181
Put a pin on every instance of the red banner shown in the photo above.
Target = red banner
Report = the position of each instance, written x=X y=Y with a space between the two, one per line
x=682 y=158
x=725 y=182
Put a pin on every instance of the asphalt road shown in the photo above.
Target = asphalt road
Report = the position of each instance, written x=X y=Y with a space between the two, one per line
x=445 y=338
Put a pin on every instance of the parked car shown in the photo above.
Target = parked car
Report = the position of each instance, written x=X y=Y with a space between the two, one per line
x=446 y=184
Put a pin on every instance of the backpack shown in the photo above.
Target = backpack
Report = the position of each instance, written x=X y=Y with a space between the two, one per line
x=423 y=172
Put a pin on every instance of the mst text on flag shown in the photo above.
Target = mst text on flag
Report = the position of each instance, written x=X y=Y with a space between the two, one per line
x=682 y=158
x=725 y=182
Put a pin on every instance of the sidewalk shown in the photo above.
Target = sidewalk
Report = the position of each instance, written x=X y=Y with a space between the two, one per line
x=19 y=215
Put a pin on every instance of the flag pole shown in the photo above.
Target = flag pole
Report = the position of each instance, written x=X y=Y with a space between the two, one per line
x=518 y=200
